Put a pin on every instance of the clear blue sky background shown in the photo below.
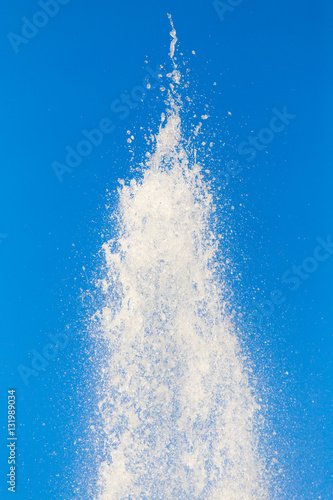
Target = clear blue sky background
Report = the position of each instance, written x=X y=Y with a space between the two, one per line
x=262 y=55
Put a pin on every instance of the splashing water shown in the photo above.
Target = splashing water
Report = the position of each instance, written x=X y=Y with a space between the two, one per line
x=178 y=411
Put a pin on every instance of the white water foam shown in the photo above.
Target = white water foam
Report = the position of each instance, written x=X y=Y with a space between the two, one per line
x=176 y=405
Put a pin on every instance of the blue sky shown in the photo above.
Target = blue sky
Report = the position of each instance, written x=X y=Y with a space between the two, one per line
x=265 y=57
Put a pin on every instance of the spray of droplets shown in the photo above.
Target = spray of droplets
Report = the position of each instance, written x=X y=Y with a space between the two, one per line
x=178 y=413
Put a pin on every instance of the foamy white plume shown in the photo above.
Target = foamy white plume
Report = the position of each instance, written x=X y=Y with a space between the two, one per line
x=177 y=409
